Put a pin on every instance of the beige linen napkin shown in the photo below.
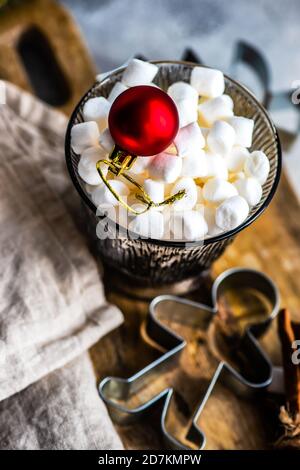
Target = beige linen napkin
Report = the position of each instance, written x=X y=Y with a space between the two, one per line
x=62 y=411
x=52 y=306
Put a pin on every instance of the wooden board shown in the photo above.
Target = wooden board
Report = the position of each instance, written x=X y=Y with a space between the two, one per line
x=43 y=52
x=271 y=244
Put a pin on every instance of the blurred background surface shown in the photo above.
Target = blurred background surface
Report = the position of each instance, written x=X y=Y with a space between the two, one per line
x=160 y=29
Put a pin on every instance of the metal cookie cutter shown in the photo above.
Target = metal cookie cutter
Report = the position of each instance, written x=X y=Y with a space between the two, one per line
x=119 y=393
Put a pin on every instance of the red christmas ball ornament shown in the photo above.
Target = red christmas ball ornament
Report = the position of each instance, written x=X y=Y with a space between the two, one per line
x=143 y=120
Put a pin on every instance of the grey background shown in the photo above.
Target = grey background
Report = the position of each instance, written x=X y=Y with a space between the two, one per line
x=161 y=29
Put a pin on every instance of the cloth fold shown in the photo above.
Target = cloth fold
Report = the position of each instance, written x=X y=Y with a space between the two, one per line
x=52 y=305
x=62 y=411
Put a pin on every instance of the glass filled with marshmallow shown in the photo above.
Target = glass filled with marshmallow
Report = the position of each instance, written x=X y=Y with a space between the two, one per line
x=224 y=162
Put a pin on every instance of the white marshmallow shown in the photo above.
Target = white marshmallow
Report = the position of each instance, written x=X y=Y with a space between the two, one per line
x=167 y=211
x=205 y=131
x=155 y=189
x=210 y=217
x=243 y=130
x=216 y=166
x=216 y=190
x=150 y=224
x=189 y=200
x=231 y=213
x=257 y=165
x=87 y=165
x=208 y=82
x=221 y=138
x=250 y=189
x=139 y=165
x=97 y=109
x=183 y=91
x=236 y=158
x=135 y=204
x=102 y=197
x=195 y=165
x=187 y=112
x=165 y=167
x=188 y=225
x=84 y=135
x=106 y=141
x=89 y=188
x=139 y=72
x=236 y=176
x=171 y=150
x=138 y=178
x=116 y=90
x=189 y=139
x=217 y=108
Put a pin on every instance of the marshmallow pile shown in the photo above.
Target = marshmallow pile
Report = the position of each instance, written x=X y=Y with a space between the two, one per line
x=210 y=159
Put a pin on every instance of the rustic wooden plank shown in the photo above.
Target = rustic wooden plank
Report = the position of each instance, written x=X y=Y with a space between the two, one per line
x=271 y=244
x=73 y=68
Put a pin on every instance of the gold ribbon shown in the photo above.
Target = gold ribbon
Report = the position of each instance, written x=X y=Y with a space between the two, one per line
x=118 y=165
